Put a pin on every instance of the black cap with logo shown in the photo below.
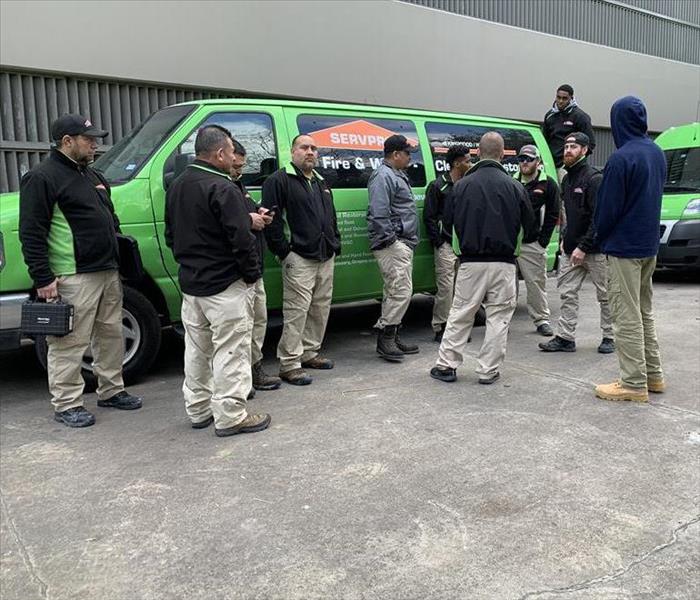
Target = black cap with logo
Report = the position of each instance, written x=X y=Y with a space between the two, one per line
x=577 y=138
x=75 y=125
x=398 y=143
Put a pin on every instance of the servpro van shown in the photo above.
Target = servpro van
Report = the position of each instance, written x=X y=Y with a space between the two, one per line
x=680 y=208
x=350 y=138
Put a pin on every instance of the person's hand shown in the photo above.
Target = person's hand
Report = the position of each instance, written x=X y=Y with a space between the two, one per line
x=48 y=292
x=257 y=221
x=266 y=215
x=577 y=257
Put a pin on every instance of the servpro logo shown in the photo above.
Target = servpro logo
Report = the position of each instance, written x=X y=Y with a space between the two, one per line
x=355 y=135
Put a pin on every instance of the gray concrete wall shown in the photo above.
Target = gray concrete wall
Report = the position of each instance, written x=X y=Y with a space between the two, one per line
x=378 y=52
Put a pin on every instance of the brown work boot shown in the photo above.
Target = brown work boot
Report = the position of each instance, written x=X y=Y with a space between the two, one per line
x=657 y=386
x=616 y=391
x=296 y=377
x=250 y=424
x=263 y=381
x=318 y=362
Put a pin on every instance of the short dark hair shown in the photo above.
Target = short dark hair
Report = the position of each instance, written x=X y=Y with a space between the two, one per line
x=238 y=148
x=565 y=87
x=210 y=138
x=456 y=152
x=296 y=137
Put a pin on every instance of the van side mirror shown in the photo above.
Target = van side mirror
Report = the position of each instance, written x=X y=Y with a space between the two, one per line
x=175 y=168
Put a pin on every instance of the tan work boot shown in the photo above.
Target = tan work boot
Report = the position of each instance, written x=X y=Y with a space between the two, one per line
x=616 y=391
x=250 y=424
x=657 y=386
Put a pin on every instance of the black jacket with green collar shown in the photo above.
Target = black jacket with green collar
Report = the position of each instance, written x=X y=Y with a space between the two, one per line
x=305 y=221
x=207 y=226
x=546 y=204
x=67 y=223
x=434 y=207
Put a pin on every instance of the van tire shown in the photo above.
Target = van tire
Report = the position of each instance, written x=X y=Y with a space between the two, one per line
x=142 y=323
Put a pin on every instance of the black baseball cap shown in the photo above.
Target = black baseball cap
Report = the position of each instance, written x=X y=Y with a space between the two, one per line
x=398 y=143
x=577 y=138
x=75 y=125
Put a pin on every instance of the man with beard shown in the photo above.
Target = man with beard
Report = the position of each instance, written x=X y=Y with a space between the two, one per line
x=68 y=228
x=581 y=254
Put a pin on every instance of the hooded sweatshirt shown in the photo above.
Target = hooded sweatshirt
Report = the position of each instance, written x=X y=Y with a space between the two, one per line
x=628 y=210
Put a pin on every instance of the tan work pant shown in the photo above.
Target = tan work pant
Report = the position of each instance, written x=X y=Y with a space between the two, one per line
x=396 y=266
x=533 y=266
x=630 y=292
x=259 y=322
x=97 y=322
x=307 y=292
x=569 y=282
x=218 y=331
x=493 y=285
x=446 y=265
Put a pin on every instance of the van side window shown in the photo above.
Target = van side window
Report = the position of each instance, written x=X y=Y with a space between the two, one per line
x=351 y=147
x=444 y=135
x=253 y=130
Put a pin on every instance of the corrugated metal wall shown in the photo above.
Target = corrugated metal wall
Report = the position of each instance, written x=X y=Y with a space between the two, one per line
x=672 y=32
x=30 y=102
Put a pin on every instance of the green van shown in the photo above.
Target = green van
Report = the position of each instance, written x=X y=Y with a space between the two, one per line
x=350 y=138
x=680 y=207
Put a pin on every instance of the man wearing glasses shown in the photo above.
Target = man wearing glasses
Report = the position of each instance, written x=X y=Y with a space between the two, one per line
x=532 y=262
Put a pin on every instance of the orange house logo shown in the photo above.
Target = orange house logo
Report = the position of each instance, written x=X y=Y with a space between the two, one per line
x=355 y=135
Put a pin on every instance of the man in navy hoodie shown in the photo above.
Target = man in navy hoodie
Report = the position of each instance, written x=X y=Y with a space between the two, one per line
x=627 y=224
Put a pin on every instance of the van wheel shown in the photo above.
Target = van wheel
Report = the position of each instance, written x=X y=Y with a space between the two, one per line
x=141 y=327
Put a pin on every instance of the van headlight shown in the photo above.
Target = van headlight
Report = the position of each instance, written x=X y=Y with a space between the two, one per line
x=692 y=210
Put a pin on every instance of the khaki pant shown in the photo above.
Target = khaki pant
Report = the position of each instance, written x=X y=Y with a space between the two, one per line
x=569 y=282
x=307 y=292
x=396 y=267
x=218 y=331
x=259 y=321
x=533 y=266
x=97 y=322
x=446 y=265
x=630 y=292
x=493 y=285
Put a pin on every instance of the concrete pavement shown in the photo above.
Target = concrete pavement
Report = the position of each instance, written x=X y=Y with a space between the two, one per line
x=375 y=482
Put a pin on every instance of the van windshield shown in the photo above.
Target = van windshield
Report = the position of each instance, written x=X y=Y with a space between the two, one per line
x=683 y=171
x=123 y=160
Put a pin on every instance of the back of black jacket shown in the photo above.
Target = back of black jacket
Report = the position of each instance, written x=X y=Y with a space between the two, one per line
x=579 y=193
x=208 y=228
x=487 y=208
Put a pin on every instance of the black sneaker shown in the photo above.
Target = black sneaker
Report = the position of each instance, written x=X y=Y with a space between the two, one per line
x=75 y=417
x=489 y=380
x=447 y=375
x=545 y=329
x=123 y=401
x=607 y=346
x=250 y=424
x=558 y=345
x=203 y=424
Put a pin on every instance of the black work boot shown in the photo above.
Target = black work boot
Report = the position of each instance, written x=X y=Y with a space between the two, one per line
x=558 y=344
x=75 y=417
x=607 y=346
x=386 y=344
x=262 y=381
x=123 y=401
x=405 y=348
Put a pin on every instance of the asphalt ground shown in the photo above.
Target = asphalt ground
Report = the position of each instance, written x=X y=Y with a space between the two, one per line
x=375 y=482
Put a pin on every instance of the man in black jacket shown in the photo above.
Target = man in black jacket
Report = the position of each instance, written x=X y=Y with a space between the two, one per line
x=580 y=252
x=487 y=210
x=565 y=117
x=68 y=228
x=260 y=218
x=445 y=259
x=208 y=228
x=532 y=261
x=301 y=199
